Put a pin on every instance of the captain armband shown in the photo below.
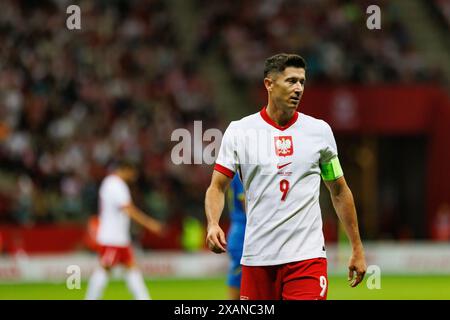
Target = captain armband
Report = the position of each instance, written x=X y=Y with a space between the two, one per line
x=331 y=170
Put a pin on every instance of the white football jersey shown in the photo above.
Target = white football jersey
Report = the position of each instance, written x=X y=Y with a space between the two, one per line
x=114 y=223
x=280 y=171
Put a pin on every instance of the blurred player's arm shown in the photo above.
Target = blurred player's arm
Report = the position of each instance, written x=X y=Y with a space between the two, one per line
x=214 y=204
x=241 y=198
x=146 y=221
x=344 y=205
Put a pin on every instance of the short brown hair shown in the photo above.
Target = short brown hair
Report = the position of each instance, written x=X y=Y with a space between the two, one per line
x=281 y=61
x=124 y=163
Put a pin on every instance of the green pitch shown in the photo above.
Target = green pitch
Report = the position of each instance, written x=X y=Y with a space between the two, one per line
x=392 y=287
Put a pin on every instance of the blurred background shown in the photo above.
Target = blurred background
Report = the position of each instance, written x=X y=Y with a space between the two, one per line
x=72 y=101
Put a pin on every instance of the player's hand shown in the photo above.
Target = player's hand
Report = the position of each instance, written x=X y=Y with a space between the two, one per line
x=156 y=227
x=215 y=239
x=356 y=268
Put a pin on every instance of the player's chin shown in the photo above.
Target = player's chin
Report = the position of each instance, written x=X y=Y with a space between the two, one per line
x=293 y=103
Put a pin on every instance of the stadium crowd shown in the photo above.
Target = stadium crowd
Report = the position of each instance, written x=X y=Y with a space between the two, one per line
x=331 y=35
x=72 y=101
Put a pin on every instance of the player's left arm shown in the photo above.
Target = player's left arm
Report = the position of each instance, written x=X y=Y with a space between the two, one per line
x=344 y=205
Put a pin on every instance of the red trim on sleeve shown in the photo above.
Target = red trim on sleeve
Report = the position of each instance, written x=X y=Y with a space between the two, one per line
x=224 y=170
x=269 y=120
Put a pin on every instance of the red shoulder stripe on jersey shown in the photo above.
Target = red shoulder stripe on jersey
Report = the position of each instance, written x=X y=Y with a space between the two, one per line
x=224 y=170
x=267 y=119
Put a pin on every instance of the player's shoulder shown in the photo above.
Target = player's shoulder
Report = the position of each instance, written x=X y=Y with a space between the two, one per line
x=313 y=123
x=311 y=120
x=111 y=178
x=112 y=181
x=246 y=121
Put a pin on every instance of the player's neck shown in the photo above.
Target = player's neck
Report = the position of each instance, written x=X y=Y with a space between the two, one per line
x=119 y=175
x=279 y=116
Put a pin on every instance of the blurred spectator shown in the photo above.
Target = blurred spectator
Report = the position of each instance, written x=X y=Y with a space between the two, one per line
x=443 y=7
x=24 y=200
x=441 y=223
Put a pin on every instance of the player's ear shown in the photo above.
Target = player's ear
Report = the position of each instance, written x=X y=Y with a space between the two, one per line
x=268 y=83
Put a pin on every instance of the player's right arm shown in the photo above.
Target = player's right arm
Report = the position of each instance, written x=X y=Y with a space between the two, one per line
x=146 y=221
x=214 y=204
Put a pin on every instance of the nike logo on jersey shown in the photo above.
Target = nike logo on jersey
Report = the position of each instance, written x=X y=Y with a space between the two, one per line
x=283 y=165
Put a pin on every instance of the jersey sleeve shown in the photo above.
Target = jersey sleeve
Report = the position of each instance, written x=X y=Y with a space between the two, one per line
x=226 y=160
x=329 y=161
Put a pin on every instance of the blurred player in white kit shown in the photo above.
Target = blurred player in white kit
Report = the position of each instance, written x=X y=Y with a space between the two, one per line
x=113 y=237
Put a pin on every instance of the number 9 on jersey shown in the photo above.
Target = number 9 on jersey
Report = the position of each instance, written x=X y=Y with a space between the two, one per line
x=284 y=188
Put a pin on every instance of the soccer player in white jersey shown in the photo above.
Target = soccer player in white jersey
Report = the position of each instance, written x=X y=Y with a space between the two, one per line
x=113 y=235
x=281 y=156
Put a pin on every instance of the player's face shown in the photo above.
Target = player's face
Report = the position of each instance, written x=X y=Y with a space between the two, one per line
x=287 y=88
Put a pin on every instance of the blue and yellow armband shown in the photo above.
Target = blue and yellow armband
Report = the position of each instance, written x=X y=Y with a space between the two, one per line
x=331 y=170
